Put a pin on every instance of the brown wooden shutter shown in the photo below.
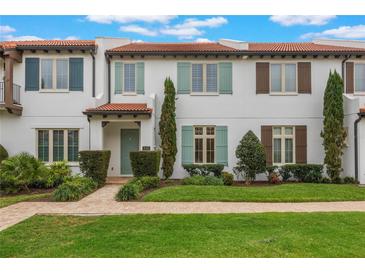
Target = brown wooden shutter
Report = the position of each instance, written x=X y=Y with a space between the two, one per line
x=266 y=140
x=262 y=78
x=349 y=77
x=301 y=144
x=304 y=77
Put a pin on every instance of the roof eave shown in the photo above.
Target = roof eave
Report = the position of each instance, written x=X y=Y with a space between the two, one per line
x=172 y=53
x=86 y=48
x=116 y=112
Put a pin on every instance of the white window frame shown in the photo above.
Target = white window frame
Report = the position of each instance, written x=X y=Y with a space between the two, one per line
x=205 y=136
x=283 y=91
x=50 y=143
x=135 y=79
x=362 y=92
x=283 y=136
x=204 y=92
x=54 y=88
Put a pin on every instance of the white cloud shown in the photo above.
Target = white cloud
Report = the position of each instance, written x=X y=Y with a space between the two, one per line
x=209 y=22
x=139 y=30
x=137 y=41
x=291 y=20
x=6 y=29
x=182 y=33
x=202 y=40
x=344 y=32
x=108 y=19
x=71 y=37
x=20 y=38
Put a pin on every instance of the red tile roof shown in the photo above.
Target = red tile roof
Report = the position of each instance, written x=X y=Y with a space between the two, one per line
x=120 y=107
x=362 y=110
x=298 y=47
x=48 y=43
x=173 y=47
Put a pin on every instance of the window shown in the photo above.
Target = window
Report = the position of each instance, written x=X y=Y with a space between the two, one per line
x=204 y=78
x=54 y=74
x=283 y=78
x=204 y=144
x=129 y=77
x=58 y=145
x=283 y=145
x=359 y=77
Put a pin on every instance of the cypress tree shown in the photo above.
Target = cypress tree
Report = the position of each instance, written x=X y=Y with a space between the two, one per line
x=333 y=132
x=167 y=127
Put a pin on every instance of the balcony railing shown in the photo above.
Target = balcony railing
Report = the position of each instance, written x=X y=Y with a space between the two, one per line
x=16 y=93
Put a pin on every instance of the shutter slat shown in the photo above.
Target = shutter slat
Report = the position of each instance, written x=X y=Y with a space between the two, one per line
x=350 y=77
x=187 y=145
x=222 y=145
x=304 y=77
x=301 y=144
x=31 y=74
x=140 y=78
x=118 y=77
x=76 y=77
x=225 y=78
x=183 y=78
x=262 y=78
x=266 y=140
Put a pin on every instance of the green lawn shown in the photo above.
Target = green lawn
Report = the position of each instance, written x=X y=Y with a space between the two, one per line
x=195 y=235
x=9 y=200
x=296 y=192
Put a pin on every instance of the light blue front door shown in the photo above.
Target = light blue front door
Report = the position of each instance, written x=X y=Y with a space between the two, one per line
x=129 y=141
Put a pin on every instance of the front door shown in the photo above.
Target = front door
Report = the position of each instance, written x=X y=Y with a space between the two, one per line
x=129 y=142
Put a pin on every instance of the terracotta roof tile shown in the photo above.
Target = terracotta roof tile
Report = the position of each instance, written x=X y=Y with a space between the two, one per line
x=48 y=43
x=173 y=47
x=362 y=110
x=122 y=107
x=299 y=47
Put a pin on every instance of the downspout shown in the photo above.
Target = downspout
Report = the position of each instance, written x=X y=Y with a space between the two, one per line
x=347 y=57
x=92 y=53
x=109 y=93
x=356 y=145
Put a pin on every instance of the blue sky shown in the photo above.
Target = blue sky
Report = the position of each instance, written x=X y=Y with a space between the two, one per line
x=183 y=28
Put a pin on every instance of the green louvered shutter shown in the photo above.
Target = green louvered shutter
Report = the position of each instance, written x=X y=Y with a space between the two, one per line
x=187 y=145
x=31 y=74
x=225 y=78
x=183 y=78
x=140 y=78
x=118 y=77
x=76 y=77
x=222 y=145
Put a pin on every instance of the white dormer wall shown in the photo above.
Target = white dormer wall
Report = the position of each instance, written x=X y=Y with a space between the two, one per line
x=236 y=44
x=341 y=43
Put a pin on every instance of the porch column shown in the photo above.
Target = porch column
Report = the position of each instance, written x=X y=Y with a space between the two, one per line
x=361 y=151
x=96 y=134
x=147 y=134
x=10 y=57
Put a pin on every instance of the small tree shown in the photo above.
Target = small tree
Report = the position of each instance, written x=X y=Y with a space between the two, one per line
x=168 y=130
x=251 y=156
x=333 y=132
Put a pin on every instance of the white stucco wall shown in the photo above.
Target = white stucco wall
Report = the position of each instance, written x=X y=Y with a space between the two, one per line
x=362 y=151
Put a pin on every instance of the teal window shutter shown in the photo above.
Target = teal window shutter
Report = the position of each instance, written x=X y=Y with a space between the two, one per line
x=187 y=145
x=222 y=145
x=225 y=78
x=183 y=77
x=118 y=77
x=76 y=77
x=140 y=78
x=31 y=74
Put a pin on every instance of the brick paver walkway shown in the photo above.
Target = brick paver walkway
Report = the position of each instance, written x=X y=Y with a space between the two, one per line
x=102 y=202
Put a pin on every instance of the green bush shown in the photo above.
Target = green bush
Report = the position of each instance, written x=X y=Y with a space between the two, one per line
x=204 y=170
x=325 y=180
x=227 y=178
x=202 y=180
x=58 y=173
x=307 y=173
x=3 y=154
x=20 y=171
x=74 y=188
x=94 y=164
x=286 y=172
x=145 y=163
x=350 y=180
x=134 y=187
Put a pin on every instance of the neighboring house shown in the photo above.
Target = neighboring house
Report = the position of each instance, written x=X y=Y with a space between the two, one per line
x=60 y=97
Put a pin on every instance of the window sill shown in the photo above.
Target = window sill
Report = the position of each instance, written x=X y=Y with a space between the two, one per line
x=129 y=94
x=284 y=94
x=359 y=93
x=70 y=164
x=204 y=93
x=54 y=91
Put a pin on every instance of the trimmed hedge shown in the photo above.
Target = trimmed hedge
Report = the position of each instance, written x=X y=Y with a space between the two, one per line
x=134 y=187
x=202 y=180
x=306 y=173
x=204 y=170
x=227 y=178
x=74 y=188
x=145 y=163
x=94 y=164
x=3 y=153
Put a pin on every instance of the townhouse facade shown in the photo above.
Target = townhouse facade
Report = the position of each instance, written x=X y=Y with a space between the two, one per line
x=59 y=97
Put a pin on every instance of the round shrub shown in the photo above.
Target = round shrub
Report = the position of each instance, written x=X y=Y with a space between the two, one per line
x=350 y=180
x=202 y=180
x=148 y=182
x=130 y=191
x=58 y=172
x=227 y=178
x=94 y=164
x=325 y=180
x=145 y=163
x=3 y=153
x=74 y=188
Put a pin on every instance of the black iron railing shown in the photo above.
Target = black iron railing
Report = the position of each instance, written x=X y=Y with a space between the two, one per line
x=16 y=93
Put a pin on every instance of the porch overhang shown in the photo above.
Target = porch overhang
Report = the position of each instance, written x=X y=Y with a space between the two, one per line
x=119 y=109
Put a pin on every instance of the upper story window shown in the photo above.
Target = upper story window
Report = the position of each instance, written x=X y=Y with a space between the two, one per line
x=54 y=74
x=283 y=78
x=283 y=145
x=204 y=78
x=204 y=144
x=359 y=77
x=128 y=78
